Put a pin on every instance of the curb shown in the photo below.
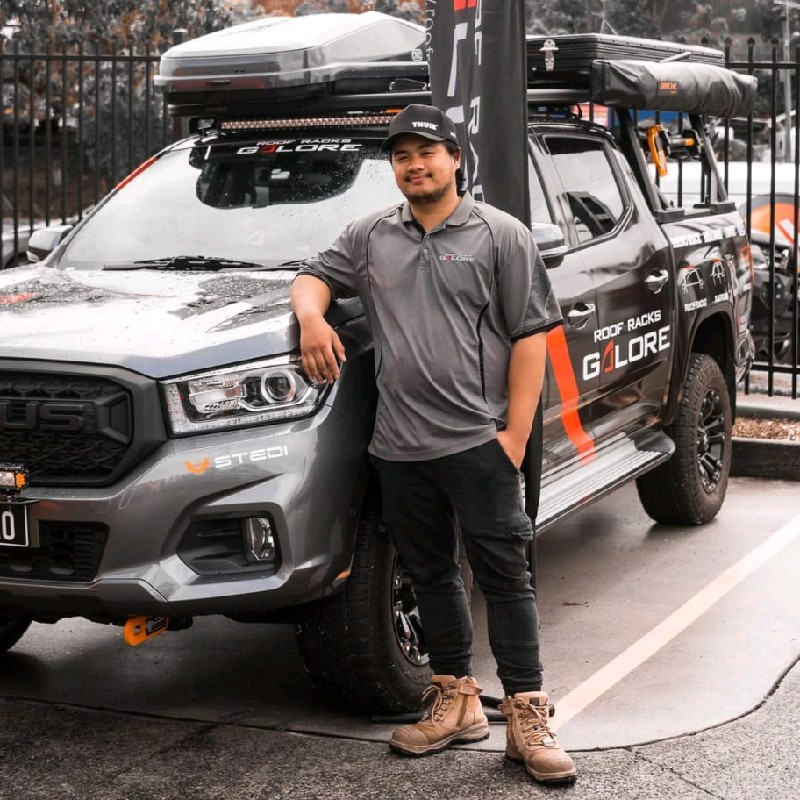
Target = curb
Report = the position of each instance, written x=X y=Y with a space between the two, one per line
x=761 y=409
x=765 y=458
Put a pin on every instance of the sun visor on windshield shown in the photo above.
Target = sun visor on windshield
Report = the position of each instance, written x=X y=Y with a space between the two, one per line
x=275 y=171
x=673 y=86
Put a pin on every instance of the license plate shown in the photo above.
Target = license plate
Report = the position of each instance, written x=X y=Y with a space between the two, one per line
x=14 y=525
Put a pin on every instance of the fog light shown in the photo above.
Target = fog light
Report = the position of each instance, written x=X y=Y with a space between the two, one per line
x=13 y=478
x=259 y=539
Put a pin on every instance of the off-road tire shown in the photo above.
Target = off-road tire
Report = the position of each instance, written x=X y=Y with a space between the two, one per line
x=12 y=629
x=348 y=641
x=676 y=493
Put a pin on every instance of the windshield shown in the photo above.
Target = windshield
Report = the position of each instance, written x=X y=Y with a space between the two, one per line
x=266 y=202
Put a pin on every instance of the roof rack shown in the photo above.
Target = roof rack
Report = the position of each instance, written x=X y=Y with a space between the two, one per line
x=371 y=63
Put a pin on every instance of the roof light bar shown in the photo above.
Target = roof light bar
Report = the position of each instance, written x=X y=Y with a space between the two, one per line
x=306 y=122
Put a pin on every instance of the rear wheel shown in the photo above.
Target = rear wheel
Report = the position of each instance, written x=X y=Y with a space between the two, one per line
x=689 y=488
x=12 y=628
x=364 y=647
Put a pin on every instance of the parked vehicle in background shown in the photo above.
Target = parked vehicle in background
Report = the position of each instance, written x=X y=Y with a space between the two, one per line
x=16 y=233
x=774 y=255
x=15 y=245
x=775 y=289
x=688 y=176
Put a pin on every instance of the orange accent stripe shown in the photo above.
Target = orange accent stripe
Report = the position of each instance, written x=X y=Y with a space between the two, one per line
x=138 y=171
x=568 y=389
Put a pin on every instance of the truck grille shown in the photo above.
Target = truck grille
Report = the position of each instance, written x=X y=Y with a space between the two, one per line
x=68 y=551
x=66 y=429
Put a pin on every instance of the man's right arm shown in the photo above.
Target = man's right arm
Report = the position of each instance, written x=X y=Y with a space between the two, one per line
x=320 y=347
x=331 y=274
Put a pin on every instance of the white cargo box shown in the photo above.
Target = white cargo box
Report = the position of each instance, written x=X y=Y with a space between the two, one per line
x=282 y=53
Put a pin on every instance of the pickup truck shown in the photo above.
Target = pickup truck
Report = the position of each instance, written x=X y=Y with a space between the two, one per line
x=163 y=456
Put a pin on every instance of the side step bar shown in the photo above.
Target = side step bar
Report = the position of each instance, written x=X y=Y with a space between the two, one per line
x=575 y=485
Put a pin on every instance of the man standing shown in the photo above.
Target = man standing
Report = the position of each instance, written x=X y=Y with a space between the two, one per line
x=458 y=302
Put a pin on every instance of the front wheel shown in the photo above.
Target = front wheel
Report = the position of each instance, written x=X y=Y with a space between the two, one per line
x=689 y=488
x=364 y=647
x=12 y=628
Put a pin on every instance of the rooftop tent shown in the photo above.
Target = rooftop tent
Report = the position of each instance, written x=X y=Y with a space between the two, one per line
x=673 y=86
x=570 y=57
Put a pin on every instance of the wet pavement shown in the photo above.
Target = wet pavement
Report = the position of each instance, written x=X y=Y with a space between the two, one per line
x=666 y=631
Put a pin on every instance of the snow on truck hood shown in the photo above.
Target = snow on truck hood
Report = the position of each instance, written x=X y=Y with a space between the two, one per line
x=154 y=322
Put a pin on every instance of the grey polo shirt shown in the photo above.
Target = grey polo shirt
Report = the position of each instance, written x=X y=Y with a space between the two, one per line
x=444 y=308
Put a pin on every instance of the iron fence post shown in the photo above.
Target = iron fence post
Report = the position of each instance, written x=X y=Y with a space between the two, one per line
x=180 y=127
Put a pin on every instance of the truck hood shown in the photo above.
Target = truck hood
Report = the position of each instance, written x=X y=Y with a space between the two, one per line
x=154 y=322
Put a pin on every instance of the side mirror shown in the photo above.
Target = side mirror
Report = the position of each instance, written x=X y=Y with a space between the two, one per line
x=550 y=241
x=45 y=240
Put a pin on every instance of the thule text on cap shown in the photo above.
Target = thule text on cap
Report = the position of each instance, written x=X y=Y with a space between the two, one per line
x=426 y=121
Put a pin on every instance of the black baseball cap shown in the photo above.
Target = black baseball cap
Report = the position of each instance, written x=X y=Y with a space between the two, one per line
x=426 y=121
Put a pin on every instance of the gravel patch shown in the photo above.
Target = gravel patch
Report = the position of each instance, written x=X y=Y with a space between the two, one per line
x=754 y=428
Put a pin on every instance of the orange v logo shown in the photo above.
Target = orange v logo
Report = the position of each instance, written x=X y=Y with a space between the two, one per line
x=199 y=468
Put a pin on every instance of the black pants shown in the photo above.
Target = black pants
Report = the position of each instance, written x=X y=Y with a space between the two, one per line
x=479 y=488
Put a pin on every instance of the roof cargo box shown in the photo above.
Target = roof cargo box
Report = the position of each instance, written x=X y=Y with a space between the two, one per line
x=559 y=59
x=288 y=56
x=673 y=86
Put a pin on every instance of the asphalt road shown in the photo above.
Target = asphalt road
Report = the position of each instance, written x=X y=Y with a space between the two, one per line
x=677 y=636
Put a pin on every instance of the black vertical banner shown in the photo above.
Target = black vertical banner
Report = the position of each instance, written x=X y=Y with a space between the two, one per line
x=476 y=53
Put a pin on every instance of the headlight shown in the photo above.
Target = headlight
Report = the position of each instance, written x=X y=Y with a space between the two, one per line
x=266 y=391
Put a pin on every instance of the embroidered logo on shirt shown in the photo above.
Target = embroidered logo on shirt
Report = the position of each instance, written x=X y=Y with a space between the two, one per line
x=456 y=257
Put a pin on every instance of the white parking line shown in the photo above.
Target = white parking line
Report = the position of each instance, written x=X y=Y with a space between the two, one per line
x=653 y=641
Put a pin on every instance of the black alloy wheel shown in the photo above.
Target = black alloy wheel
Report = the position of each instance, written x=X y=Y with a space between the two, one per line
x=407 y=624
x=690 y=488
x=711 y=441
x=363 y=647
x=13 y=626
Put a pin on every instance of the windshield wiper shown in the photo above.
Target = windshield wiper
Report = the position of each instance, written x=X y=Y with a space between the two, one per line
x=190 y=263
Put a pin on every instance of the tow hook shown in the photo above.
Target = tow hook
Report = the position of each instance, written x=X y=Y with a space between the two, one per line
x=140 y=629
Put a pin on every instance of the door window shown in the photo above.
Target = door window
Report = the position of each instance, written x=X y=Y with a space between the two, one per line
x=540 y=210
x=595 y=201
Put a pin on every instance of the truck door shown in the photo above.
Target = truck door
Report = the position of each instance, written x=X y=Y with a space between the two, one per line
x=629 y=262
x=567 y=394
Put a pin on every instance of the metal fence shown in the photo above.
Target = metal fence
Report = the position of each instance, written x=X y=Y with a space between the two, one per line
x=74 y=123
x=768 y=144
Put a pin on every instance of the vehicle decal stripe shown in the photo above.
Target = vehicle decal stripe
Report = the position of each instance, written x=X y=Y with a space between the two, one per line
x=708 y=237
x=568 y=389
x=11 y=299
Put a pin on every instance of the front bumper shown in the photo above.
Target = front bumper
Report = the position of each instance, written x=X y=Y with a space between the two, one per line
x=307 y=476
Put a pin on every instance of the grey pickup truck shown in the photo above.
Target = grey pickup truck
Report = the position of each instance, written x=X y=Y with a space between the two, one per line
x=162 y=454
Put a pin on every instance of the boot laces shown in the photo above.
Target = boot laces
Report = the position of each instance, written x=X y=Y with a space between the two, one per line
x=440 y=699
x=534 y=727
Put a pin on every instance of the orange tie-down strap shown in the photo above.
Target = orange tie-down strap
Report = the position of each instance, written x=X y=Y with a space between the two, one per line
x=568 y=389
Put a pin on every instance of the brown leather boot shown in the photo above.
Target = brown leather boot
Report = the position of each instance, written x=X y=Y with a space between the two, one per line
x=454 y=714
x=530 y=740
